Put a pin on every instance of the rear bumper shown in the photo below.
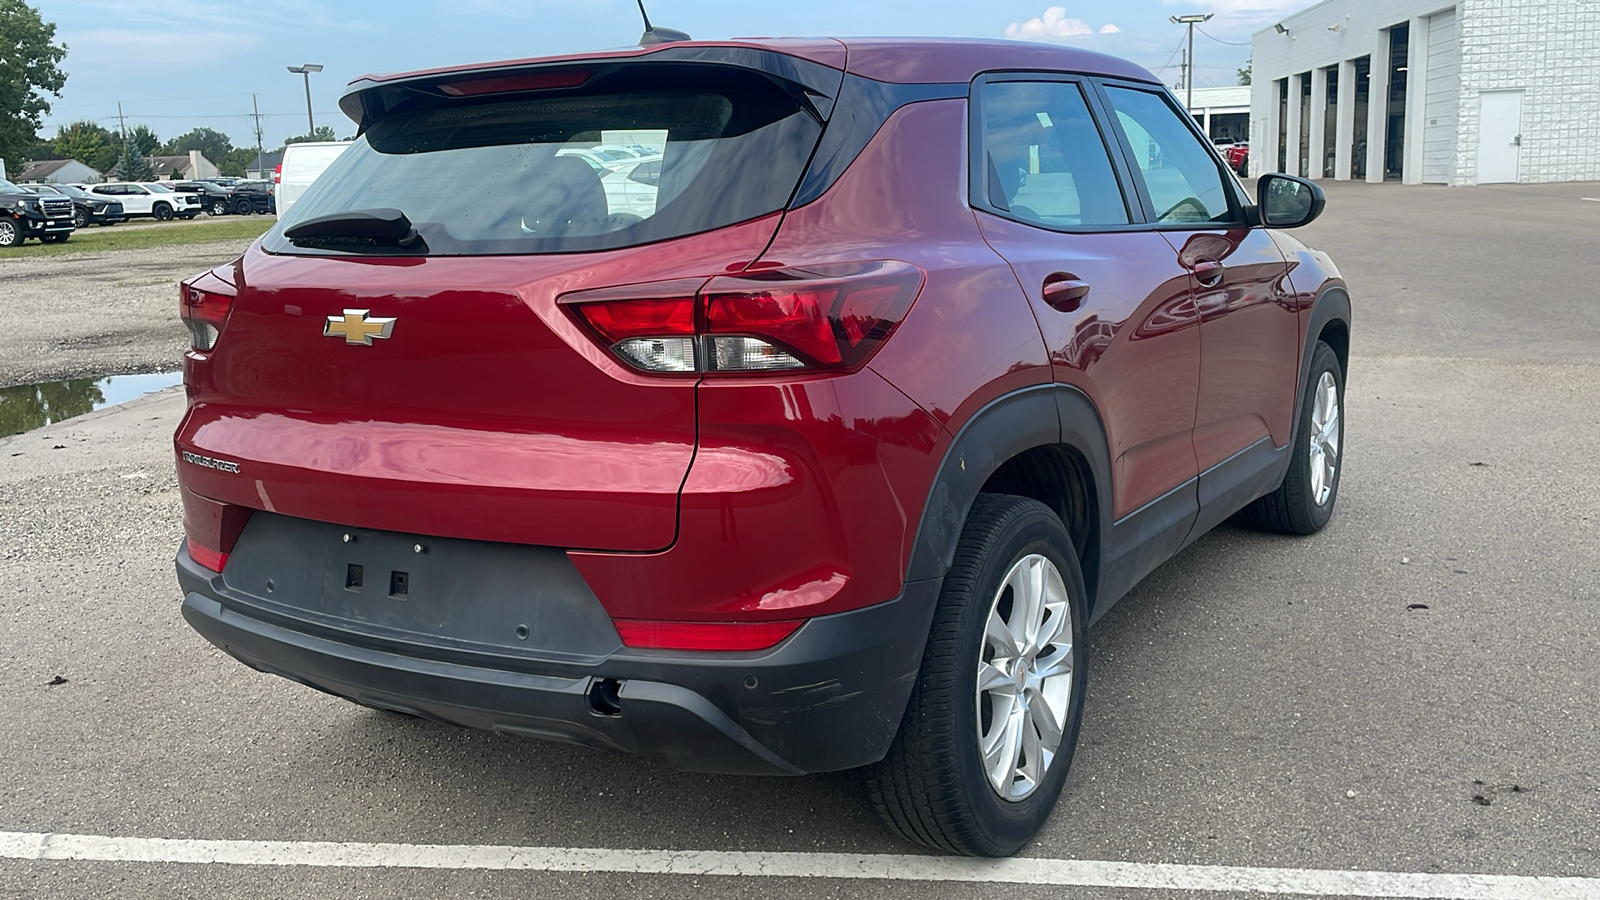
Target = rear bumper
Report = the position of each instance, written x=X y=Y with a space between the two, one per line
x=828 y=698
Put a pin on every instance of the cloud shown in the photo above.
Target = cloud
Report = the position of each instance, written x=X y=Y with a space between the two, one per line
x=1053 y=24
x=1109 y=29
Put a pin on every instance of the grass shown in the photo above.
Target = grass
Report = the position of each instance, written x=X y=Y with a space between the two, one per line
x=99 y=239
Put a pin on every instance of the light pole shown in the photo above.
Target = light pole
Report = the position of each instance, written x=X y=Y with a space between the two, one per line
x=1188 y=74
x=308 y=68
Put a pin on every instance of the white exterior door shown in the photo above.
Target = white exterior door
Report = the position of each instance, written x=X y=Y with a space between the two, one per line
x=1499 y=136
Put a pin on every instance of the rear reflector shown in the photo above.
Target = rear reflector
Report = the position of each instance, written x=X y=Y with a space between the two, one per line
x=703 y=635
x=829 y=317
x=206 y=556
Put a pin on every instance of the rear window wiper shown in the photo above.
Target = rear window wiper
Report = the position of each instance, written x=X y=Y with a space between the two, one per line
x=359 y=229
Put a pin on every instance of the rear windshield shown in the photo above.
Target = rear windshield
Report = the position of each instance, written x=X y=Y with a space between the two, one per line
x=641 y=154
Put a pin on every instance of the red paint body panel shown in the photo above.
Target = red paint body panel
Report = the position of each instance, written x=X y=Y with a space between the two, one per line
x=969 y=338
x=1132 y=345
x=1250 y=330
x=919 y=60
x=797 y=499
x=489 y=416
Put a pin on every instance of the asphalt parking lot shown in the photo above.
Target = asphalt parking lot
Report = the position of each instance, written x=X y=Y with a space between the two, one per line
x=1412 y=692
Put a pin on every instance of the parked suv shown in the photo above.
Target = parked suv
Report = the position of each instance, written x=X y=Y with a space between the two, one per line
x=24 y=214
x=915 y=366
x=151 y=199
x=253 y=197
x=87 y=209
x=215 y=199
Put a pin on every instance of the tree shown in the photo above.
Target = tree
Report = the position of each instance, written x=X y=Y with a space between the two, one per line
x=143 y=141
x=28 y=69
x=236 y=162
x=213 y=144
x=1244 y=73
x=323 y=133
x=133 y=166
x=89 y=143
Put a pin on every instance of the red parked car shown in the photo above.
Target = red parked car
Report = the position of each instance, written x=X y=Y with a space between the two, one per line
x=1238 y=157
x=926 y=352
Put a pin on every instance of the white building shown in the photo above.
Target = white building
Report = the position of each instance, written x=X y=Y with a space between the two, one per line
x=1223 y=112
x=1430 y=91
x=58 y=171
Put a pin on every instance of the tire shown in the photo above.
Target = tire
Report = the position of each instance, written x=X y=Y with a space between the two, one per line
x=933 y=787
x=162 y=212
x=10 y=234
x=80 y=219
x=219 y=207
x=1303 y=502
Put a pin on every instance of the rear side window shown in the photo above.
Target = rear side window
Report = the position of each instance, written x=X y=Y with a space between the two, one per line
x=541 y=173
x=1180 y=172
x=1047 y=163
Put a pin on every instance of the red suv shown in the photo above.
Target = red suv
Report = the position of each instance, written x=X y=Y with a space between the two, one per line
x=819 y=452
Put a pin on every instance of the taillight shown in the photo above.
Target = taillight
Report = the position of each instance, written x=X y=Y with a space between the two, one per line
x=827 y=318
x=277 y=174
x=204 y=310
x=703 y=635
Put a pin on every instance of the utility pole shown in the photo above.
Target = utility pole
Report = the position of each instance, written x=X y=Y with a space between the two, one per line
x=126 y=156
x=257 y=117
x=306 y=70
x=1188 y=62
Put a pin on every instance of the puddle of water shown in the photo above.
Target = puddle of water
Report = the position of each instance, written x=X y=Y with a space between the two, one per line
x=30 y=406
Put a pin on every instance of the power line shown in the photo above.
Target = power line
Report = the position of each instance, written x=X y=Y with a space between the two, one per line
x=1221 y=41
x=1175 y=51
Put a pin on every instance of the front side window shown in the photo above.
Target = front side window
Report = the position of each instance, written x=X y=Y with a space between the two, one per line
x=1180 y=173
x=1047 y=163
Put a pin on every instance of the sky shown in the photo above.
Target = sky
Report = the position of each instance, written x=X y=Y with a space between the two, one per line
x=179 y=64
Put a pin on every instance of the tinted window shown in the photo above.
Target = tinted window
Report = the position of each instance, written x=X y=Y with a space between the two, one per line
x=647 y=173
x=1180 y=172
x=1047 y=163
x=490 y=176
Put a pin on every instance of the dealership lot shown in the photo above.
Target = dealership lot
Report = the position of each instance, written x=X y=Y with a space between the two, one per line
x=1410 y=692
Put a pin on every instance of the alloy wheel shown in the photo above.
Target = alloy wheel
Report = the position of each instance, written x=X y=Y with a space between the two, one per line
x=8 y=233
x=1024 y=678
x=1324 y=438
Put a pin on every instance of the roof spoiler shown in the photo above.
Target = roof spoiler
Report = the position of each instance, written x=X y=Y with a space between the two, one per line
x=373 y=97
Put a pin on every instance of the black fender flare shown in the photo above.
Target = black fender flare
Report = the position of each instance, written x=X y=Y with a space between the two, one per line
x=1038 y=416
x=1332 y=304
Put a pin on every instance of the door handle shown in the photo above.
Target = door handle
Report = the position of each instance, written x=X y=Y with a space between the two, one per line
x=1063 y=291
x=1208 y=273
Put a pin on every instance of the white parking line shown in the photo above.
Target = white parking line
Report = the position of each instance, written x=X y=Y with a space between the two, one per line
x=1077 y=873
x=1592 y=199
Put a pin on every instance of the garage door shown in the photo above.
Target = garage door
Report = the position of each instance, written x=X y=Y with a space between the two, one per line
x=1442 y=98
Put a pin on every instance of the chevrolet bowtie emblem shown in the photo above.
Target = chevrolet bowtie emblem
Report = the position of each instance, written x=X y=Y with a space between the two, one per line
x=356 y=328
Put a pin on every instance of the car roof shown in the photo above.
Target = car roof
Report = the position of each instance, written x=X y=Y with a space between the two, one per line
x=891 y=59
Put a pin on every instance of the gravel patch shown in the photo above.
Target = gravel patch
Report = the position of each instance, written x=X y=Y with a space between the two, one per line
x=97 y=314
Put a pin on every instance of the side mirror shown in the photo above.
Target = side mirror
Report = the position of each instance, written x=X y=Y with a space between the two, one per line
x=1285 y=201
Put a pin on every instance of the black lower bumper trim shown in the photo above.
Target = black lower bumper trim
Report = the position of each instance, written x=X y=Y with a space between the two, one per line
x=828 y=698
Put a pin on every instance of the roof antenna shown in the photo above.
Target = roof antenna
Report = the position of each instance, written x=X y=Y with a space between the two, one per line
x=654 y=35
